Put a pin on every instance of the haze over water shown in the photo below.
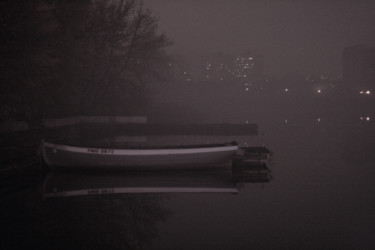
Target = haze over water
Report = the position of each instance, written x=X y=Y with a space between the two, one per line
x=321 y=195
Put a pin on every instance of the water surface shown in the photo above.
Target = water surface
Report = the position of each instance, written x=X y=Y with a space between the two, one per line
x=320 y=197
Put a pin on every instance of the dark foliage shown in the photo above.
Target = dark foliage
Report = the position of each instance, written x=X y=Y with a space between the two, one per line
x=64 y=57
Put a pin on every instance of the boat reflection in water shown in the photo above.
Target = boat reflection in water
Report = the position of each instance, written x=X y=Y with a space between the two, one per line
x=213 y=180
x=111 y=208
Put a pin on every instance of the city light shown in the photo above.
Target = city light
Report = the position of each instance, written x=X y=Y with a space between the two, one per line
x=367 y=92
x=286 y=90
x=319 y=91
x=367 y=118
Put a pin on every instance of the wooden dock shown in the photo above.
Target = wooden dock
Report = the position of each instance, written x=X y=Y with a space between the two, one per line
x=159 y=129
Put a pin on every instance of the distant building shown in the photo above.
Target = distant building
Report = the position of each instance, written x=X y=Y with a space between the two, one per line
x=242 y=69
x=216 y=67
x=249 y=66
x=359 y=66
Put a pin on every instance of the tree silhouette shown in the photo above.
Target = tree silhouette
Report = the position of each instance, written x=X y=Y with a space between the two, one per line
x=107 y=54
x=68 y=56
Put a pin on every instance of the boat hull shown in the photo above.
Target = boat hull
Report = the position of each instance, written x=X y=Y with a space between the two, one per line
x=68 y=156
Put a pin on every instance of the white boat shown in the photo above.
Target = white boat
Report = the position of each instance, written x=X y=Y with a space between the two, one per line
x=58 y=155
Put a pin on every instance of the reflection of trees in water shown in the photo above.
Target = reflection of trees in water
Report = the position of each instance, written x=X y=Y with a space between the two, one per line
x=90 y=222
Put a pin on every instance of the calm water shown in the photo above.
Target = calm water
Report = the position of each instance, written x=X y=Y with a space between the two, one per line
x=321 y=196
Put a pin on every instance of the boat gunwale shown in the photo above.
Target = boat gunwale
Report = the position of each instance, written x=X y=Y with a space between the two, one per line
x=159 y=150
x=233 y=143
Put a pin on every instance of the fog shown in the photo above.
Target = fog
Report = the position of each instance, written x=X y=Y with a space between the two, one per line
x=175 y=124
x=295 y=37
x=300 y=46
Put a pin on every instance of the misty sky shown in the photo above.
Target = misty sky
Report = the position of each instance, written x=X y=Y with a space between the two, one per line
x=294 y=36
